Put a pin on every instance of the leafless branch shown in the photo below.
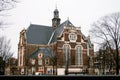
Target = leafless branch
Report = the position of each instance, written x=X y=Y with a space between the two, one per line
x=108 y=29
x=5 y=49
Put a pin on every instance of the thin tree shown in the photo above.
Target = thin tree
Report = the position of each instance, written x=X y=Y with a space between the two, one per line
x=106 y=57
x=5 y=52
x=106 y=29
x=5 y=47
x=52 y=56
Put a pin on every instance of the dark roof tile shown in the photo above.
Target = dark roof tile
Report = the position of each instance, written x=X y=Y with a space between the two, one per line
x=38 y=34
x=59 y=29
x=47 y=52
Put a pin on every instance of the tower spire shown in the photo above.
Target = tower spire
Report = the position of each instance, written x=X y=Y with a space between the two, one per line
x=56 y=19
x=67 y=18
x=56 y=6
x=56 y=13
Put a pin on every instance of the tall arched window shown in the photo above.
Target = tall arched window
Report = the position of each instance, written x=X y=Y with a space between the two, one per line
x=79 y=55
x=66 y=52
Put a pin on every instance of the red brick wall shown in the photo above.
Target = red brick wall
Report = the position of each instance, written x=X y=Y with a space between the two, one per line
x=78 y=38
x=72 y=57
x=66 y=37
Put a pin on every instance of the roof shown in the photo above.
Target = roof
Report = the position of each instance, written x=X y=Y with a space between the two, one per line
x=38 y=34
x=59 y=29
x=47 y=52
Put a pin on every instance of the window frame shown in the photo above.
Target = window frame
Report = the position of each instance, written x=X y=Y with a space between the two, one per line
x=78 y=55
x=72 y=37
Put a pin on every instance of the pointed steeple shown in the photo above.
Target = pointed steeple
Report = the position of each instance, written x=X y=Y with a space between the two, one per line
x=56 y=19
x=56 y=13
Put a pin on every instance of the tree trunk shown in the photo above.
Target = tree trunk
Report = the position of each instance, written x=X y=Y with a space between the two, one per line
x=117 y=61
x=53 y=70
x=2 y=68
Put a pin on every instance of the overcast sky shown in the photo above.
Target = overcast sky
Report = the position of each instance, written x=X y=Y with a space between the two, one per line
x=80 y=12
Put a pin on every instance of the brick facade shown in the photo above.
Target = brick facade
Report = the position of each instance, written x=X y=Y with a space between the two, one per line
x=24 y=49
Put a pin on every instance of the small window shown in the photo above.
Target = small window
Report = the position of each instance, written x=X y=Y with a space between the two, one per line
x=40 y=68
x=72 y=37
x=33 y=61
x=47 y=61
x=39 y=61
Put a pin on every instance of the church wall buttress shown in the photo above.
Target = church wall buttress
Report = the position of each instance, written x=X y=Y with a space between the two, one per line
x=84 y=45
x=21 y=48
x=84 y=58
x=18 y=56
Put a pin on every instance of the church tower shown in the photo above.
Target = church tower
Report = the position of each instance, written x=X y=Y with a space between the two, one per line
x=56 y=19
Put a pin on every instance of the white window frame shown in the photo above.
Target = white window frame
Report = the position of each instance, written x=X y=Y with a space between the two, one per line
x=66 y=50
x=72 y=37
x=40 y=61
x=78 y=55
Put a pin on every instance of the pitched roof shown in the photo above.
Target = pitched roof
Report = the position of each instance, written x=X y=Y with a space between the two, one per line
x=59 y=29
x=38 y=34
x=47 y=52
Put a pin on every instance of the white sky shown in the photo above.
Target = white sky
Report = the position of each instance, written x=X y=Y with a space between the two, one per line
x=80 y=12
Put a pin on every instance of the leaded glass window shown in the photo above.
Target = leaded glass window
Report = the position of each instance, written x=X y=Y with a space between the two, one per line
x=79 y=57
x=66 y=51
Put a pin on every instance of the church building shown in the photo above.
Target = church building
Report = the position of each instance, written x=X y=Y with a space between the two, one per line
x=51 y=49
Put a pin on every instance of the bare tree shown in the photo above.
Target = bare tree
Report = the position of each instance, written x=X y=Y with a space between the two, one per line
x=5 y=53
x=6 y=5
x=5 y=48
x=106 y=29
x=106 y=58
x=53 y=58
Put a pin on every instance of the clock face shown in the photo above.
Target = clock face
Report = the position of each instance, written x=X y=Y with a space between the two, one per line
x=72 y=37
x=40 y=55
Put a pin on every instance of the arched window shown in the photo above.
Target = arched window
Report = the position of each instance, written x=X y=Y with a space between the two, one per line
x=66 y=52
x=79 y=55
x=47 y=61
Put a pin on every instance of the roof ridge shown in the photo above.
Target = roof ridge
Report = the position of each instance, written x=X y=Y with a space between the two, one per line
x=40 y=25
x=51 y=37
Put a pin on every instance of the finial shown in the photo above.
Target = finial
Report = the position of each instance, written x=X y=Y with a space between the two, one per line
x=67 y=18
x=56 y=10
x=56 y=6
